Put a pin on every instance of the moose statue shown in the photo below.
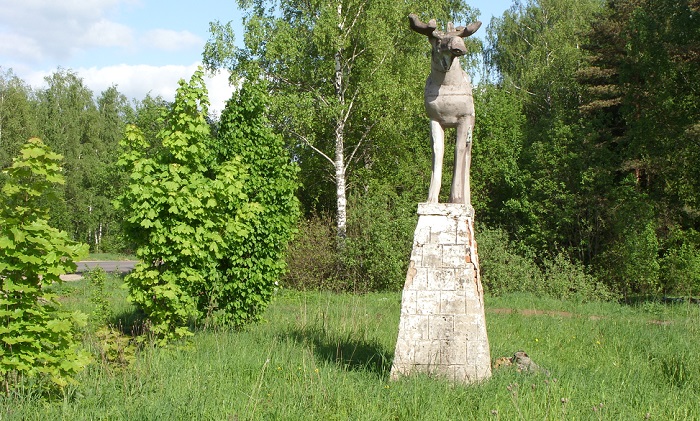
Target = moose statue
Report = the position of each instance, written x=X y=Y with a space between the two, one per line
x=449 y=103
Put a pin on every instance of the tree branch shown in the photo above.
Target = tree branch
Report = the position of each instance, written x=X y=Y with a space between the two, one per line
x=317 y=150
x=362 y=138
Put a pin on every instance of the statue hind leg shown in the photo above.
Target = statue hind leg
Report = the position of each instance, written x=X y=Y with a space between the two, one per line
x=437 y=134
x=460 y=192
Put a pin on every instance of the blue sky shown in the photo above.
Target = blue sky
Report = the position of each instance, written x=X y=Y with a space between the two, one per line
x=141 y=46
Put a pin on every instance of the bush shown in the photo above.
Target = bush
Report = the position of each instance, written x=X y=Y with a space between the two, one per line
x=503 y=270
x=101 y=312
x=629 y=263
x=680 y=265
x=375 y=254
x=37 y=339
x=210 y=217
x=567 y=279
x=312 y=259
x=380 y=237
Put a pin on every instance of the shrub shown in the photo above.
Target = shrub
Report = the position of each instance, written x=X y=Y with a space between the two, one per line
x=567 y=279
x=312 y=259
x=253 y=264
x=210 y=217
x=630 y=263
x=37 y=339
x=503 y=270
x=375 y=254
x=380 y=237
x=102 y=312
x=680 y=264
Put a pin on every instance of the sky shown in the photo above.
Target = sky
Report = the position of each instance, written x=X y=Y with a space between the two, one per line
x=141 y=46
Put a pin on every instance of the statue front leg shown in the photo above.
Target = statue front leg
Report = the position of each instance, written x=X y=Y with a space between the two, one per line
x=437 y=135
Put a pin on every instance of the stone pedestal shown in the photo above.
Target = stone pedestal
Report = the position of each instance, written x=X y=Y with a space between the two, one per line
x=442 y=330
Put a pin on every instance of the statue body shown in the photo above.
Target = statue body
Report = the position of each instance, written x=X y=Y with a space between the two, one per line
x=449 y=103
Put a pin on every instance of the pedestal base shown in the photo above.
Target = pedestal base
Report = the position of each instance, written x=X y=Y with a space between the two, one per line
x=442 y=330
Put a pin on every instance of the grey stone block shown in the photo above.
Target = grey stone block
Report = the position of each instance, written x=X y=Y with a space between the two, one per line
x=442 y=330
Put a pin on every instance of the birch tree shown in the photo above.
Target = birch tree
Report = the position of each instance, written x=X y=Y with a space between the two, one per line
x=343 y=73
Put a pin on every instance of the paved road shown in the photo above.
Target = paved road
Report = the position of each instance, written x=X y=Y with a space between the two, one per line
x=111 y=266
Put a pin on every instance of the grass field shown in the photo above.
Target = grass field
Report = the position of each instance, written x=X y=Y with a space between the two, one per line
x=321 y=356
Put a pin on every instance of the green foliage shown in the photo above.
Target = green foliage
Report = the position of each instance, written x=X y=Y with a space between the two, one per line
x=380 y=239
x=503 y=269
x=176 y=213
x=506 y=270
x=85 y=131
x=117 y=351
x=101 y=313
x=375 y=255
x=313 y=260
x=17 y=117
x=568 y=279
x=210 y=217
x=600 y=110
x=37 y=339
x=641 y=106
x=253 y=263
x=498 y=180
x=680 y=265
x=631 y=261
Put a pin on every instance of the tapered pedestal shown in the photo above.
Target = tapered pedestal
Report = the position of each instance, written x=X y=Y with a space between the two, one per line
x=442 y=330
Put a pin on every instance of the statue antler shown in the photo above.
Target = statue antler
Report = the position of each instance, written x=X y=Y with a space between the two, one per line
x=469 y=30
x=420 y=27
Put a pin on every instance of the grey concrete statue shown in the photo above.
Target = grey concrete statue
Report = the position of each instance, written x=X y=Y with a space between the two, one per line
x=449 y=103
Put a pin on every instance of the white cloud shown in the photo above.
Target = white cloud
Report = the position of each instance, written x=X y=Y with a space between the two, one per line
x=104 y=33
x=20 y=47
x=136 y=81
x=58 y=29
x=168 y=40
x=220 y=91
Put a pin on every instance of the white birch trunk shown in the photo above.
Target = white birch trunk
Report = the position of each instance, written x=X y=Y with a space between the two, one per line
x=340 y=182
x=339 y=162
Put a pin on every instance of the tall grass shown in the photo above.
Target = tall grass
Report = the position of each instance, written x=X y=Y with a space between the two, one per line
x=322 y=356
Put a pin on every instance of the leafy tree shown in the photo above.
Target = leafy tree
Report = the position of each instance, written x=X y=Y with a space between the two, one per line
x=253 y=264
x=641 y=103
x=86 y=132
x=147 y=116
x=99 y=182
x=17 y=117
x=535 y=52
x=65 y=115
x=498 y=180
x=36 y=338
x=209 y=218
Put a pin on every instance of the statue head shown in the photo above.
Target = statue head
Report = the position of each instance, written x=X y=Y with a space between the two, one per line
x=446 y=45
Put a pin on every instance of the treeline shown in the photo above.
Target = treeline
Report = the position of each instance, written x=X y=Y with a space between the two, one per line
x=86 y=129
x=585 y=149
x=603 y=137
x=585 y=175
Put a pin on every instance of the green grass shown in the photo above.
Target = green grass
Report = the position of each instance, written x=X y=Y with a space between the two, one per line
x=322 y=356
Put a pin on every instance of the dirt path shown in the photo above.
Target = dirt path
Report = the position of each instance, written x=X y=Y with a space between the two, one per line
x=110 y=266
x=556 y=313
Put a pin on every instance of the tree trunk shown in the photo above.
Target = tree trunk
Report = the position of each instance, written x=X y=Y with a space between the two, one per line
x=341 y=217
x=340 y=183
